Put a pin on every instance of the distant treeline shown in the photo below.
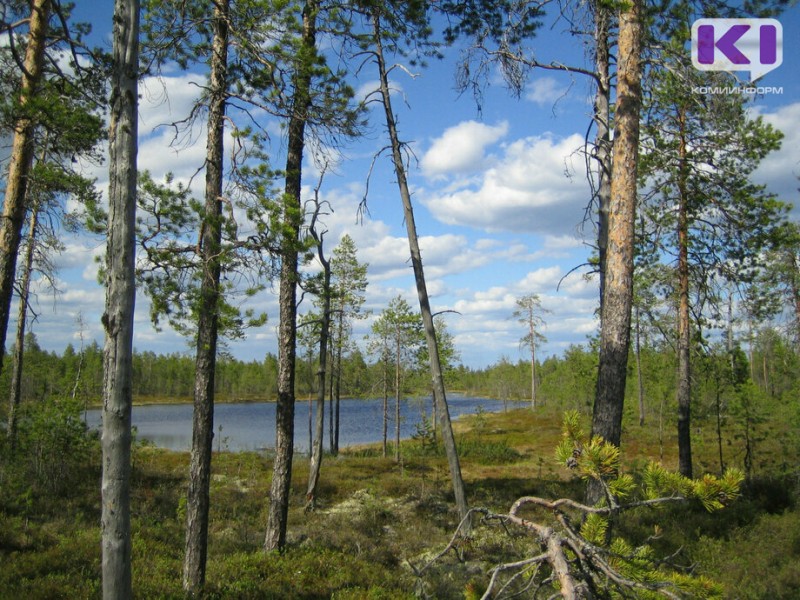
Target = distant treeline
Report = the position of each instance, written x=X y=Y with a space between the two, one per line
x=771 y=364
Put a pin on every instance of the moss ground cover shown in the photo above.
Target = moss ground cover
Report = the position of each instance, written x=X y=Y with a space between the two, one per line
x=375 y=518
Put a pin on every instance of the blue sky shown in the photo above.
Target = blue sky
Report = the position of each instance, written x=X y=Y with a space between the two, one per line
x=499 y=199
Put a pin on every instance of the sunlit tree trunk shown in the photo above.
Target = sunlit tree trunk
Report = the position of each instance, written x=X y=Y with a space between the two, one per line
x=197 y=505
x=20 y=161
x=618 y=287
x=120 y=299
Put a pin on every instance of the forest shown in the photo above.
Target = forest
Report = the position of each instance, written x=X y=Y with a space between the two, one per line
x=656 y=458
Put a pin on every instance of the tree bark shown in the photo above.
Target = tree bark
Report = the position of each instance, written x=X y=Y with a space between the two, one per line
x=684 y=337
x=197 y=505
x=618 y=287
x=602 y=119
x=20 y=162
x=440 y=398
x=315 y=460
x=275 y=538
x=120 y=301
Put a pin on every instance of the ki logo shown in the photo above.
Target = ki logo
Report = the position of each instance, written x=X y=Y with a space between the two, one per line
x=754 y=45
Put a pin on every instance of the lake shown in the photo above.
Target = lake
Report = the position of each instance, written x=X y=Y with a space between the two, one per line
x=251 y=426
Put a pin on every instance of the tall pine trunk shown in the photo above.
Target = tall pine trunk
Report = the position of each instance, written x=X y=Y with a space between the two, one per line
x=440 y=398
x=20 y=162
x=120 y=300
x=684 y=335
x=197 y=504
x=615 y=324
x=275 y=538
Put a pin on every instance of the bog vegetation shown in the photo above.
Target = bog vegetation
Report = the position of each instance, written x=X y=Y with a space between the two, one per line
x=378 y=522
x=689 y=392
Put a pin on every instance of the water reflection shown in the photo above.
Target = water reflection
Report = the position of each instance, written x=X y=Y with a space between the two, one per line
x=239 y=427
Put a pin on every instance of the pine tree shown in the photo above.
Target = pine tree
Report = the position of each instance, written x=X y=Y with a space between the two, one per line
x=120 y=299
x=699 y=153
x=348 y=285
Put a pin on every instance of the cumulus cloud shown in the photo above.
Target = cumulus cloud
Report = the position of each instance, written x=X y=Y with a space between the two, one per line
x=527 y=191
x=486 y=328
x=461 y=149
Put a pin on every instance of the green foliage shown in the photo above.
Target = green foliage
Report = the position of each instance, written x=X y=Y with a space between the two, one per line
x=53 y=448
x=171 y=270
x=760 y=560
x=656 y=486
x=355 y=544
x=486 y=452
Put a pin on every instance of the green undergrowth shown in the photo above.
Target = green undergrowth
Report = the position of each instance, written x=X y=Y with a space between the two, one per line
x=376 y=520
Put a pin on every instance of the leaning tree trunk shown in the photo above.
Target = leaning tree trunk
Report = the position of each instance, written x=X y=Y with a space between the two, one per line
x=21 y=161
x=615 y=323
x=275 y=538
x=120 y=300
x=22 y=316
x=684 y=381
x=440 y=398
x=197 y=500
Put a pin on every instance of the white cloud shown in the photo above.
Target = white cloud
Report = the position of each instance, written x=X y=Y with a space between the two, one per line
x=780 y=170
x=167 y=99
x=461 y=149
x=545 y=91
x=528 y=190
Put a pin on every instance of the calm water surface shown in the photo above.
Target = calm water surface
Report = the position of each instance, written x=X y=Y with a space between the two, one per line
x=251 y=426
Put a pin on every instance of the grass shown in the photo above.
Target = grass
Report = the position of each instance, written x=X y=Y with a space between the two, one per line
x=375 y=517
